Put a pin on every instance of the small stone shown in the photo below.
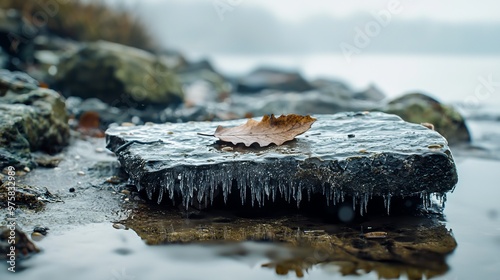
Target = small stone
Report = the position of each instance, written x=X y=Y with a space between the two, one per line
x=119 y=226
x=77 y=157
x=36 y=236
x=99 y=150
x=71 y=190
x=375 y=235
x=113 y=180
x=351 y=135
x=41 y=230
x=170 y=132
x=127 y=124
x=27 y=169
x=227 y=149
x=125 y=192
x=81 y=173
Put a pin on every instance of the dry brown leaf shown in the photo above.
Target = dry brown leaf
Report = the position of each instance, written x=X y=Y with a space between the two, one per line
x=269 y=130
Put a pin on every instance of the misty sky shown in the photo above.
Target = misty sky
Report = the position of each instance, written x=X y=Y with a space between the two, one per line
x=444 y=10
x=320 y=26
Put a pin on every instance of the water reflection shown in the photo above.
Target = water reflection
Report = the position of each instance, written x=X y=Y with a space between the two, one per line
x=388 y=246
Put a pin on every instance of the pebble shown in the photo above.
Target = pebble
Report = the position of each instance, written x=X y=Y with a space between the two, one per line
x=99 y=150
x=36 y=236
x=40 y=230
x=375 y=235
x=113 y=180
x=77 y=157
x=119 y=226
x=227 y=149
x=71 y=189
x=127 y=124
x=27 y=169
x=125 y=192
x=81 y=173
x=351 y=135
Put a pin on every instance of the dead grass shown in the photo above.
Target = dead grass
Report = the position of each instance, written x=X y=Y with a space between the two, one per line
x=85 y=20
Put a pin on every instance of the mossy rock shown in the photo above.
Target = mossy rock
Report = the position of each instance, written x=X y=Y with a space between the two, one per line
x=420 y=108
x=32 y=121
x=118 y=75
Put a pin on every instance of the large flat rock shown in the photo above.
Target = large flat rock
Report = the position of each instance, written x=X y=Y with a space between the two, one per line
x=360 y=155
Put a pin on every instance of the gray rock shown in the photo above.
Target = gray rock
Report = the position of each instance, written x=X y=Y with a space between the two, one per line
x=23 y=248
x=372 y=93
x=270 y=78
x=17 y=81
x=118 y=75
x=312 y=102
x=32 y=121
x=421 y=108
x=348 y=154
x=14 y=39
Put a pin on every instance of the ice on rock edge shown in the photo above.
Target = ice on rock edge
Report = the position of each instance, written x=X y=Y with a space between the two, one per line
x=199 y=187
x=395 y=161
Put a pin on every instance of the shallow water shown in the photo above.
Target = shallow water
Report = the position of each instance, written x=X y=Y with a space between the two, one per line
x=82 y=243
x=98 y=251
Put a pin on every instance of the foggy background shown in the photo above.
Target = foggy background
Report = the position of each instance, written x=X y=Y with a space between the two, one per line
x=250 y=27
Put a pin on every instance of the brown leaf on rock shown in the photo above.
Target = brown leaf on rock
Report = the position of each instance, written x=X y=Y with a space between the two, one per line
x=269 y=130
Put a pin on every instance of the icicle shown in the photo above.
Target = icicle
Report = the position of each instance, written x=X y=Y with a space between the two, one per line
x=160 y=193
x=425 y=200
x=363 y=204
x=387 y=202
x=149 y=192
x=298 y=196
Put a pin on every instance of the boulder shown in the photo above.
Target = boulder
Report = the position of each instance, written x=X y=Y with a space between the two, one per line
x=16 y=39
x=118 y=75
x=30 y=120
x=202 y=83
x=355 y=155
x=270 y=78
x=372 y=93
x=312 y=102
x=421 y=108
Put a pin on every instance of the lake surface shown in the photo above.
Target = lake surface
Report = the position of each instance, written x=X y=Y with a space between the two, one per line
x=98 y=251
x=449 y=78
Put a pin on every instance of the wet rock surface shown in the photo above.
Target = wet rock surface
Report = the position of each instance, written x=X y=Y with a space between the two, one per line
x=30 y=120
x=355 y=155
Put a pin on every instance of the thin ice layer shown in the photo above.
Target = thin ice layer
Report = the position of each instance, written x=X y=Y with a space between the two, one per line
x=349 y=154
